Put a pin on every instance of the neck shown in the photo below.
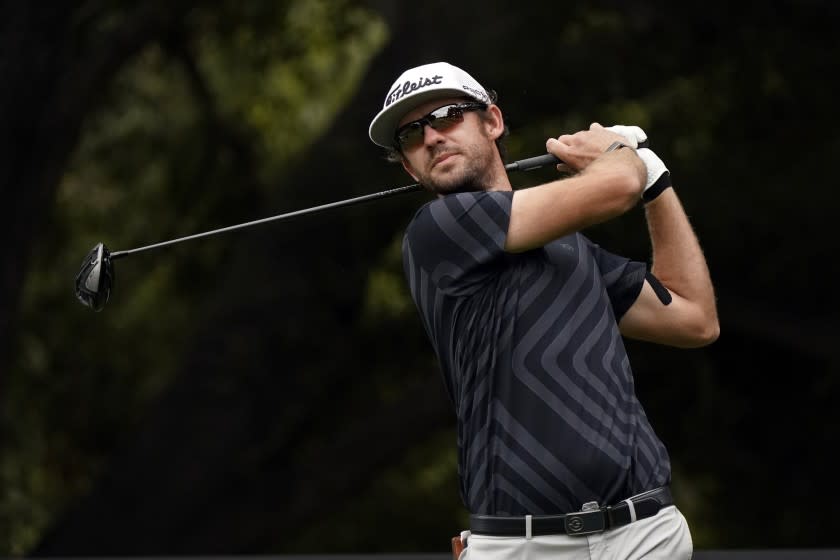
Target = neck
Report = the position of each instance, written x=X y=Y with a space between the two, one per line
x=497 y=178
x=494 y=179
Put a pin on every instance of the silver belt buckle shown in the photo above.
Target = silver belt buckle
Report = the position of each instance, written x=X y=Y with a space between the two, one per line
x=587 y=521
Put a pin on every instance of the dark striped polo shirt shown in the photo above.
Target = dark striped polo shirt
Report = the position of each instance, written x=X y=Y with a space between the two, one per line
x=532 y=359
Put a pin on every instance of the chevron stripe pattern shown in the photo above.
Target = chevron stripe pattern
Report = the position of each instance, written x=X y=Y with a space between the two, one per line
x=532 y=359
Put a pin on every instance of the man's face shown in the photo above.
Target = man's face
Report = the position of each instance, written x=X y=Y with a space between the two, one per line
x=452 y=160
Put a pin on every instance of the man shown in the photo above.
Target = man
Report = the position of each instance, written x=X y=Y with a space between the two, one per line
x=556 y=456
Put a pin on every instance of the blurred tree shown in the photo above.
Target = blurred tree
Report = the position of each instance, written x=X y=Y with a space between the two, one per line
x=176 y=147
x=273 y=391
x=54 y=61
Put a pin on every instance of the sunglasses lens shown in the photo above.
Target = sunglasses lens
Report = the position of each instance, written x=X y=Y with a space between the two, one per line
x=410 y=135
x=441 y=119
x=447 y=122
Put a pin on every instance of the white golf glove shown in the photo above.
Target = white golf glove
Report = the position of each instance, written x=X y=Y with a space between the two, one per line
x=634 y=135
x=658 y=176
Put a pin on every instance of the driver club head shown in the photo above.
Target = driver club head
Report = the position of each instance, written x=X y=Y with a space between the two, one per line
x=96 y=278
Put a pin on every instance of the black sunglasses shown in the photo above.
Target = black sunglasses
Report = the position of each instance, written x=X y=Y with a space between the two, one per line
x=410 y=134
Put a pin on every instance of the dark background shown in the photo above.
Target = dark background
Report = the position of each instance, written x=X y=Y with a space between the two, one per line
x=272 y=391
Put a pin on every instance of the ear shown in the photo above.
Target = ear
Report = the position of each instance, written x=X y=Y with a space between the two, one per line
x=408 y=169
x=495 y=125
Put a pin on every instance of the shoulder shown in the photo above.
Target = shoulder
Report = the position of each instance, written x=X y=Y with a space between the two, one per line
x=450 y=210
x=463 y=229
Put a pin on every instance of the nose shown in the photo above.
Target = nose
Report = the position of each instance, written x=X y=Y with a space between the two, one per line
x=431 y=136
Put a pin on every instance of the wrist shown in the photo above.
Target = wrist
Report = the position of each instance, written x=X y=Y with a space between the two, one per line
x=617 y=145
x=658 y=176
x=637 y=164
x=658 y=187
x=662 y=200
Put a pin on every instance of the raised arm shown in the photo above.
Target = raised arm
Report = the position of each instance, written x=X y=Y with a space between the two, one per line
x=690 y=319
x=608 y=185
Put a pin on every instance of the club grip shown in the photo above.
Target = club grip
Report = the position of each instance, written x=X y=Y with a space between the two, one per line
x=528 y=164
x=533 y=163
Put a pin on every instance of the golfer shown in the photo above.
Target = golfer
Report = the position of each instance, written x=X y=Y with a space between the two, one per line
x=556 y=456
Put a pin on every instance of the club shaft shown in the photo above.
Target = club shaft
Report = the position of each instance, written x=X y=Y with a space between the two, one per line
x=314 y=209
x=521 y=165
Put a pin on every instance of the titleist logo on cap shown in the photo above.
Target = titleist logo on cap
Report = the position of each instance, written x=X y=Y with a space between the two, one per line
x=409 y=86
x=414 y=86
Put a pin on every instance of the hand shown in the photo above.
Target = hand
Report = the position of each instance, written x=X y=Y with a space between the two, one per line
x=578 y=150
x=658 y=176
x=633 y=135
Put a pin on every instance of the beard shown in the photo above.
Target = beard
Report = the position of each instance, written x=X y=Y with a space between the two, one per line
x=471 y=173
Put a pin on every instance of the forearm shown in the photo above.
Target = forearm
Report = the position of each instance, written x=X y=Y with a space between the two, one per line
x=608 y=187
x=678 y=260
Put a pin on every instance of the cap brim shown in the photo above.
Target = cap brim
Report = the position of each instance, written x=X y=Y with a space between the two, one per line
x=384 y=125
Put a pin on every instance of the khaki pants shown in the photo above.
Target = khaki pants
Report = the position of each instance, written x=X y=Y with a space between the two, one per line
x=663 y=536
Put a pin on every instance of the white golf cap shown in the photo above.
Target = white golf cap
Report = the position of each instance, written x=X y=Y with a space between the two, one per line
x=416 y=86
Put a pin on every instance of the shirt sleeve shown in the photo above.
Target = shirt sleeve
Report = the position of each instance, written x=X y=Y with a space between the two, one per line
x=623 y=278
x=458 y=240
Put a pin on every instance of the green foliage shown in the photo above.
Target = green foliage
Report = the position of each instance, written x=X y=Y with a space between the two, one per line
x=378 y=522
x=386 y=296
x=191 y=132
x=285 y=75
x=203 y=128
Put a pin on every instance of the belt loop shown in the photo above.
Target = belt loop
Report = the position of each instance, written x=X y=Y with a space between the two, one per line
x=632 y=510
x=528 y=534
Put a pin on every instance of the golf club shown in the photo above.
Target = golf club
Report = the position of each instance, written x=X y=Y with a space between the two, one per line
x=95 y=280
